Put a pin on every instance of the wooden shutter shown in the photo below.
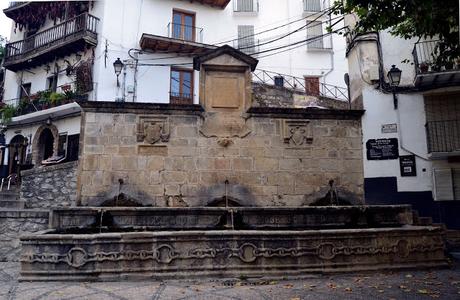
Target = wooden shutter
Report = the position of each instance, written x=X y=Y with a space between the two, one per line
x=443 y=188
x=312 y=5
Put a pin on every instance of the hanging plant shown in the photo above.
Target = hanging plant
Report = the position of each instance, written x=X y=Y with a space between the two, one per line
x=33 y=16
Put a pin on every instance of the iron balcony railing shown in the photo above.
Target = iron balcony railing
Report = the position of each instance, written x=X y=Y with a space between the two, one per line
x=246 y=5
x=426 y=58
x=52 y=37
x=180 y=98
x=298 y=84
x=443 y=136
x=315 y=5
x=185 y=32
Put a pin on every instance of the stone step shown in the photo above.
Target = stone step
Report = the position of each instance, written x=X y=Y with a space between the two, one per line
x=425 y=221
x=452 y=238
x=16 y=204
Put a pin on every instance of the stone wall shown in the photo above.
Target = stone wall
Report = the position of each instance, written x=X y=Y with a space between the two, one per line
x=50 y=186
x=272 y=96
x=287 y=158
x=13 y=224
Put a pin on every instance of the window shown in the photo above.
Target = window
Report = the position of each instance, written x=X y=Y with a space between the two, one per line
x=183 y=26
x=312 y=5
x=181 y=86
x=25 y=90
x=315 y=29
x=51 y=83
x=246 y=42
x=246 y=5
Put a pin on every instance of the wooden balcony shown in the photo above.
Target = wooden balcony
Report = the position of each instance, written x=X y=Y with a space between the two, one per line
x=63 y=39
x=215 y=3
x=14 y=7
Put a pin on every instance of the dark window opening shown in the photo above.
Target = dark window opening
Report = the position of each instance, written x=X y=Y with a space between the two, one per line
x=51 y=83
x=279 y=81
x=25 y=90
x=73 y=142
x=46 y=142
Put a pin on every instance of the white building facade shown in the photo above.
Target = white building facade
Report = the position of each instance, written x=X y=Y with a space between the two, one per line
x=411 y=132
x=64 y=51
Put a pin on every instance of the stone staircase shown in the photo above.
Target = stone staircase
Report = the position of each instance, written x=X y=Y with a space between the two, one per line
x=9 y=199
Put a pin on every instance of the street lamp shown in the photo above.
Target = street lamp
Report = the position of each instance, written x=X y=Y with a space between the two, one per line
x=394 y=75
x=118 y=66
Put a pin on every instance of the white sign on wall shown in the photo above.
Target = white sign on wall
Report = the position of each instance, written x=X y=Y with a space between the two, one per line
x=389 y=128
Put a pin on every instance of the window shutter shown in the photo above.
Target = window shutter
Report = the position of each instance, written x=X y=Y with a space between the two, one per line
x=312 y=5
x=443 y=188
x=246 y=38
x=245 y=5
x=314 y=29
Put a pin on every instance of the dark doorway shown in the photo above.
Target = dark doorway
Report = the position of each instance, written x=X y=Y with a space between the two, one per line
x=47 y=143
x=17 y=152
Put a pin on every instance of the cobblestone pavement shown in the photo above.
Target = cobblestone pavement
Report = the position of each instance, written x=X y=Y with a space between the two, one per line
x=436 y=284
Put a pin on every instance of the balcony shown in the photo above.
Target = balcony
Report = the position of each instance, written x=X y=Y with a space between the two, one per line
x=215 y=3
x=430 y=71
x=43 y=100
x=180 y=98
x=68 y=37
x=185 y=33
x=443 y=138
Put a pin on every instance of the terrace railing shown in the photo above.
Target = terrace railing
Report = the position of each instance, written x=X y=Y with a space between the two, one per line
x=298 y=84
x=426 y=56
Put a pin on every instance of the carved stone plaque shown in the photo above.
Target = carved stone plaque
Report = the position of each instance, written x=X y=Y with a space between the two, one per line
x=152 y=130
x=297 y=133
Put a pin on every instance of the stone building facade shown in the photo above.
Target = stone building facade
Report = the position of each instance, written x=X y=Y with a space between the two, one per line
x=195 y=155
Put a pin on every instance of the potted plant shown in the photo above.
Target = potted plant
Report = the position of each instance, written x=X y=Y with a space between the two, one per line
x=56 y=99
x=8 y=112
x=424 y=67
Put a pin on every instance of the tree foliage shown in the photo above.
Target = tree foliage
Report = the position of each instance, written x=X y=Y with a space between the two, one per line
x=423 y=19
x=2 y=47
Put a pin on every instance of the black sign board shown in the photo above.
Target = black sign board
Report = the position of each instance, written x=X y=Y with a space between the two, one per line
x=407 y=165
x=382 y=149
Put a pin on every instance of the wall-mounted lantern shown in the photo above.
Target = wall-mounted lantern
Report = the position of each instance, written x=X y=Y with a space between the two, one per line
x=118 y=66
x=394 y=75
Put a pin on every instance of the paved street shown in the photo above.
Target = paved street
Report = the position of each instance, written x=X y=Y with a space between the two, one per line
x=439 y=284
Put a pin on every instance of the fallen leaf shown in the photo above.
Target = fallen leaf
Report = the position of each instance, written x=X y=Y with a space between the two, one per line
x=381 y=291
x=348 y=289
x=288 y=286
x=296 y=298
x=409 y=276
x=423 y=291
x=331 y=286
x=273 y=282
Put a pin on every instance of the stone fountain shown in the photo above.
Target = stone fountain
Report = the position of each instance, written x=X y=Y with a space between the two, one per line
x=223 y=188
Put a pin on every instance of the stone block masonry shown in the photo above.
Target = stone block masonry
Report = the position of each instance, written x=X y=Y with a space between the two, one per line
x=50 y=186
x=288 y=158
x=13 y=224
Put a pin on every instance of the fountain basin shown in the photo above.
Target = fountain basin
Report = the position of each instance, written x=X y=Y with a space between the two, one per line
x=226 y=253
x=215 y=218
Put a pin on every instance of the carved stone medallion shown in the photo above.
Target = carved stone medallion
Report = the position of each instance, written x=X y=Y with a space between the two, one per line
x=152 y=130
x=297 y=134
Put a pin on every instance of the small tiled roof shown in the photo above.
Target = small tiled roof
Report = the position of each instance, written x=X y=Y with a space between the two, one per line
x=199 y=60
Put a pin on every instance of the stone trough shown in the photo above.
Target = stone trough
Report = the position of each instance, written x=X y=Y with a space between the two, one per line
x=133 y=243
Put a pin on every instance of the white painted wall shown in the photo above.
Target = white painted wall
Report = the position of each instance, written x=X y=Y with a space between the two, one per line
x=410 y=115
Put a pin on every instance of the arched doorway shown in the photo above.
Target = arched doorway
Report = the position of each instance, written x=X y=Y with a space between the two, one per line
x=45 y=143
x=16 y=154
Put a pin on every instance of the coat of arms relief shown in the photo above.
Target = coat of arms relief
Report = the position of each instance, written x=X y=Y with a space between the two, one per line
x=153 y=130
x=297 y=134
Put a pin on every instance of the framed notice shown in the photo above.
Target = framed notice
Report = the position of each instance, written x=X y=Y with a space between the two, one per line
x=382 y=149
x=407 y=165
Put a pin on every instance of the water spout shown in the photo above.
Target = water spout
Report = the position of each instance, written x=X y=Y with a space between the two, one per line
x=100 y=221
x=229 y=210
